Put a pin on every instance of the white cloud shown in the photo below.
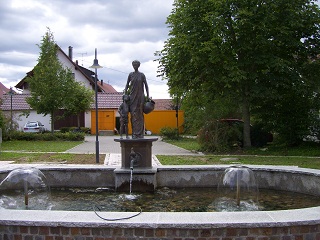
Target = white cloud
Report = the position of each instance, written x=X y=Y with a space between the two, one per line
x=156 y=91
x=121 y=30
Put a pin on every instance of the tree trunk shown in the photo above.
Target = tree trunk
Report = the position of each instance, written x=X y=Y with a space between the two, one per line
x=246 y=119
x=52 y=122
x=78 y=120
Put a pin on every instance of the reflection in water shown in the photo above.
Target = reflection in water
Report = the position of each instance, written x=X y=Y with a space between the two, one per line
x=170 y=200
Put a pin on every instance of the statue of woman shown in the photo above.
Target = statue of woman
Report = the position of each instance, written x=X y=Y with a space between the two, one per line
x=135 y=89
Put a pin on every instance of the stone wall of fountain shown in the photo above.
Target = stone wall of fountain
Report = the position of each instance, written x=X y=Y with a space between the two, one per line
x=136 y=171
x=269 y=177
x=84 y=225
x=287 y=224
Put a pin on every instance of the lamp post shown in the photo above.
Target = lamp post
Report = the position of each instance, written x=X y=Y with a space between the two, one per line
x=11 y=92
x=177 y=115
x=96 y=66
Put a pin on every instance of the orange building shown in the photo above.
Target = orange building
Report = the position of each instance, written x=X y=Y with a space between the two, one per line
x=158 y=119
x=108 y=117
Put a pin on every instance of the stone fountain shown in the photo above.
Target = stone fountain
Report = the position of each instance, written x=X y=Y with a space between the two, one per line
x=136 y=152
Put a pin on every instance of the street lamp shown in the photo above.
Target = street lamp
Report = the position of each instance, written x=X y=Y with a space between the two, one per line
x=96 y=66
x=11 y=92
x=177 y=115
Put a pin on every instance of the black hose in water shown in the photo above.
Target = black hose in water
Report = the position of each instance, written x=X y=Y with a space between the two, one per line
x=114 y=219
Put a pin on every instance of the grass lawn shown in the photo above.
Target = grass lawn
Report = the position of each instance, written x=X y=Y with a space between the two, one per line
x=65 y=158
x=38 y=146
x=45 y=151
x=309 y=149
x=304 y=162
x=306 y=155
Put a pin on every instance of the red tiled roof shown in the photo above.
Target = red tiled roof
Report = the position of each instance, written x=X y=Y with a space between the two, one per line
x=163 y=104
x=3 y=90
x=107 y=88
x=108 y=100
x=105 y=101
x=18 y=102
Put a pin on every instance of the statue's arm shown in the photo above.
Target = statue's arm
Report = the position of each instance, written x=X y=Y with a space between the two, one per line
x=127 y=85
x=120 y=109
x=146 y=85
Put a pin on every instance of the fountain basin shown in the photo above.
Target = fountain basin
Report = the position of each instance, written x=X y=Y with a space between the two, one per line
x=285 y=224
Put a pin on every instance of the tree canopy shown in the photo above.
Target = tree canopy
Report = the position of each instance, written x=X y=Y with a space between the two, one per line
x=53 y=86
x=257 y=56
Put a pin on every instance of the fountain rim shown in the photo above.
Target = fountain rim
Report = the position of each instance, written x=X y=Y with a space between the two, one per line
x=280 y=218
x=75 y=167
x=164 y=219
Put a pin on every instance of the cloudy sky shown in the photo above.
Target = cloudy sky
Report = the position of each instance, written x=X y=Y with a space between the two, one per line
x=121 y=30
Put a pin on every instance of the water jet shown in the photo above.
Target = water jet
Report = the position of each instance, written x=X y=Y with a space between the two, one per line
x=238 y=190
x=25 y=188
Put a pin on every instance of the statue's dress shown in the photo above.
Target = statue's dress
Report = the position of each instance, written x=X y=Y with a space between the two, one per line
x=136 y=88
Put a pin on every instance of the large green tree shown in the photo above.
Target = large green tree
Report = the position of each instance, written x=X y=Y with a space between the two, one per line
x=53 y=86
x=246 y=51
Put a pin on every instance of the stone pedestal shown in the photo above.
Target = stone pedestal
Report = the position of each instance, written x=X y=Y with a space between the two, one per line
x=141 y=147
x=136 y=155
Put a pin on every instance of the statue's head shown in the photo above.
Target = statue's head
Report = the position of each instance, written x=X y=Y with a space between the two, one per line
x=136 y=64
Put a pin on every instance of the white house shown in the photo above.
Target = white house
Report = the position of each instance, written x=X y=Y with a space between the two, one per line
x=22 y=113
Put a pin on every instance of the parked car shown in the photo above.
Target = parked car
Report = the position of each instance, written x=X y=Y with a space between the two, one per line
x=34 y=127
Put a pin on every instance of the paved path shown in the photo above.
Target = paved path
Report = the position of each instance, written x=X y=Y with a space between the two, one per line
x=108 y=145
x=112 y=149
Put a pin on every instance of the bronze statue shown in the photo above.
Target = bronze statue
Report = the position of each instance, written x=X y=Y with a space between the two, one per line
x=135 y=89
x=123 y=112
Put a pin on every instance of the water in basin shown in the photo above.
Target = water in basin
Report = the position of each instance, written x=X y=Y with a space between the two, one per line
x=169 y=200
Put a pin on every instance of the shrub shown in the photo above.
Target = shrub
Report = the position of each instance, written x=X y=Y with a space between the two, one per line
x=17 y=135
x=70 y=136
x=8 y=127
x=217 y=136
x=2 y=120
x=57 y=136
x=75 y=129
x=259 y=136
x=64 y=129
x=169 y=133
